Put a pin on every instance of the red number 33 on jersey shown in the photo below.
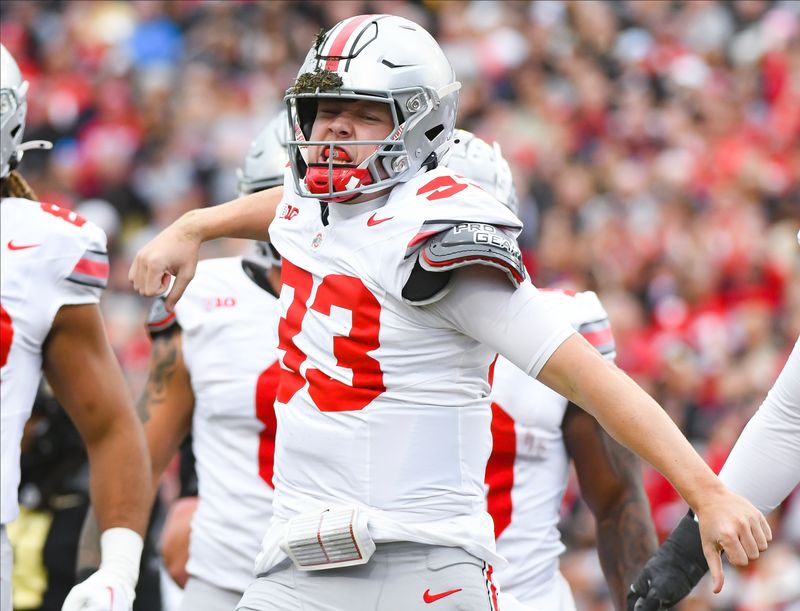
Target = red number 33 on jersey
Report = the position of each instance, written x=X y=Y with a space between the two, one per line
x=351 y=350
x=6 y=335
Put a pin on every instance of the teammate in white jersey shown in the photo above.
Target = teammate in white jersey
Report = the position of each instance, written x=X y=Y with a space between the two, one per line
x=536 y=432
x=54 y=268
x=214 y=373
x=393 y=307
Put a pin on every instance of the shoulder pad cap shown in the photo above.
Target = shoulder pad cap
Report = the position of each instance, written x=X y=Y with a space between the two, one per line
x=474 y=243
x=459 y=246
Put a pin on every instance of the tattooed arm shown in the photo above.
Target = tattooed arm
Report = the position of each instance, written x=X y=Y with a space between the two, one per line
x=166 y=407
x=610 y=481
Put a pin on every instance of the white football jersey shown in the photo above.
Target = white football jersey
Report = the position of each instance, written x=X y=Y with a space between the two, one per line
x=381 y=403
x=229 y=341
x=51 y=257
x=527 y=472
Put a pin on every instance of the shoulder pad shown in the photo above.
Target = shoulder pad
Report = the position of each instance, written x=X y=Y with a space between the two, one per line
x=159 y=319
x=459 y=246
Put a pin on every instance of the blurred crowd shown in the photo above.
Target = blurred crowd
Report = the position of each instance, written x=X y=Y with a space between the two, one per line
x=655 y=146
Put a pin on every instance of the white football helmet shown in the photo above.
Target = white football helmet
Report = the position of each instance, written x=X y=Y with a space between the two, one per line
x=484 y=164
x=13 y=106
x=263 y=169
x=267 y=158
x=379 y=58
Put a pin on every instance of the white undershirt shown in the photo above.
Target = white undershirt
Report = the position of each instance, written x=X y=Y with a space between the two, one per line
x=764 y=465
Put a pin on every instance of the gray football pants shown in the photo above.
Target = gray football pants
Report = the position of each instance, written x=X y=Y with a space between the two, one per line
x=398 y=577
x=199 y=595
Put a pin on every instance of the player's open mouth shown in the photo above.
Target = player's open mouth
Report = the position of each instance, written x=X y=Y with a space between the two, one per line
x=339 y=155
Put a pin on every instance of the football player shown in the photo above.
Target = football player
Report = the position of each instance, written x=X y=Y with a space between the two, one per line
x=54 y=269
x=214 y=374
x=763 y=466
x=536 y=432
x=400 y=282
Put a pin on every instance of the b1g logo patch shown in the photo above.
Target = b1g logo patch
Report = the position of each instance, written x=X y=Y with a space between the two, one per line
x=289 y=212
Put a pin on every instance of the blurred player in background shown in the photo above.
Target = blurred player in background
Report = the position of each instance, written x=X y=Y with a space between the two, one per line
x=214 y=374
x=54 y=268
x=536 y=432
x=393 y=308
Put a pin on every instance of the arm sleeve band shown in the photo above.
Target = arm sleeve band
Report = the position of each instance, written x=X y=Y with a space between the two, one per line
x=517 y=323
x=764 y=465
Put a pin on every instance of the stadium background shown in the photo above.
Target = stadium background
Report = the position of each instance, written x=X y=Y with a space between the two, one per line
x=655 y=147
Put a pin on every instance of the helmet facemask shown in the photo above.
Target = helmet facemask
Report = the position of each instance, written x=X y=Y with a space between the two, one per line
x=388 y=165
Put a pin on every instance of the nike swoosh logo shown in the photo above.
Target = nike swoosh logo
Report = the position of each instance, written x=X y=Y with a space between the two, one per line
x=432 y=598
x=372 y=221
x=12 y=246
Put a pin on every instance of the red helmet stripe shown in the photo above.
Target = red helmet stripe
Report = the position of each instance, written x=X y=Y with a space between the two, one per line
x=340 y=42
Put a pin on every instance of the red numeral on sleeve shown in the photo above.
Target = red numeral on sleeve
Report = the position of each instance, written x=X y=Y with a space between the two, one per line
x=73 y=218
x=351 y=350
x=266 y=388
x=6 y=335
x=441 y=187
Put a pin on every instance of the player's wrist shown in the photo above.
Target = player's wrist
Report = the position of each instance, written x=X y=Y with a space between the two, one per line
x=194 y=225
x=121 y=554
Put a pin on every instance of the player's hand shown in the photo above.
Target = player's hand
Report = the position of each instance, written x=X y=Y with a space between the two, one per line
x=172 y=253
x=672 y=572
x=731 y=524
x=102 y=591
x=175 y=538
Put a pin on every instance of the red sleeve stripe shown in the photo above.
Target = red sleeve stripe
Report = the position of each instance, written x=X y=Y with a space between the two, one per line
x=599 y=335
x=160 y=325
x=91 y=269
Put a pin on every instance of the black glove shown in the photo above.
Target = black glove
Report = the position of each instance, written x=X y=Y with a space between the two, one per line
x=673 y=570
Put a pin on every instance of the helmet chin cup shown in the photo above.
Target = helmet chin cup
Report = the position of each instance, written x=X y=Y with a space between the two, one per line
x=321 y=179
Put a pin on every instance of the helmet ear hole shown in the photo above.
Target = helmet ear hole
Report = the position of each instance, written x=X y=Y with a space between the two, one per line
x=434 y=131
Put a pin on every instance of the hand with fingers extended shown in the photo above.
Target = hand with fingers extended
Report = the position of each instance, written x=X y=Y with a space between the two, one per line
x=672 y=572
x=172 y=253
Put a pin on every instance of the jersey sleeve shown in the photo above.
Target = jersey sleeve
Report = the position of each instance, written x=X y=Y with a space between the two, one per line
x=159 y=319
x=85 y=266
x=448 y=223
x=592 y=322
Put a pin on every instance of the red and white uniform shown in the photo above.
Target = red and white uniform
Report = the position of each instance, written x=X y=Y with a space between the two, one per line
x=229 y=338
x=51 y=257
x=528 y=469
x=382 y=404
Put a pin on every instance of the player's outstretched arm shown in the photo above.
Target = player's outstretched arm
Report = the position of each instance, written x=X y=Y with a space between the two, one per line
x=174 y=251
x=611 y=484
x=83 y=372
x=728 y=522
